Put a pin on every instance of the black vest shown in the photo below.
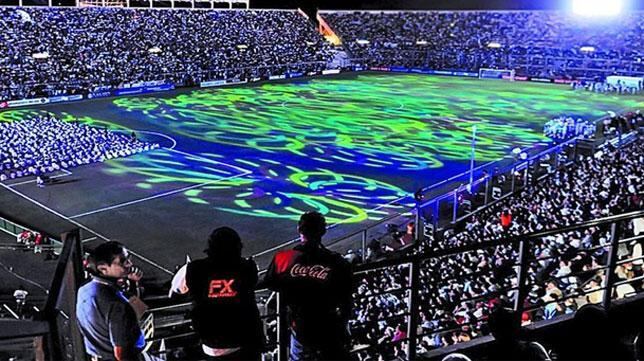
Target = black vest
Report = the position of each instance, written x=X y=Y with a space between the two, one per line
x=225 y=313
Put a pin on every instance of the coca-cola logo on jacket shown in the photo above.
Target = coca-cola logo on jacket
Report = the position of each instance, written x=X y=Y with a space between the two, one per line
x=314 y=271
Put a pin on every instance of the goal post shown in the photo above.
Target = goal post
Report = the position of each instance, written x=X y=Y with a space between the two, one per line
x=506 y=74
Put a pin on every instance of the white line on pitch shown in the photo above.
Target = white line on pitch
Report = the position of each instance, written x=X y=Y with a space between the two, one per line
x=160 y=195
x=208 y=159
x=174 y=141
x=33 y=180
x=80 y=225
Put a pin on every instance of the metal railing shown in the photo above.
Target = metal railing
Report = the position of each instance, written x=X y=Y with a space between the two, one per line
x=414 y=269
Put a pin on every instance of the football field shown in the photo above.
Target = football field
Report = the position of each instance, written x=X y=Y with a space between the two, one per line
x=254 y=157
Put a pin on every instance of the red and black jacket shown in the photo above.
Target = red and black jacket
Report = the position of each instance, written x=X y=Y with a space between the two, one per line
x=316 y=285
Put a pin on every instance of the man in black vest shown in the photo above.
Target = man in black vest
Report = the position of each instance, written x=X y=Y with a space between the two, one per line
x=225 y=313
x=316 y=286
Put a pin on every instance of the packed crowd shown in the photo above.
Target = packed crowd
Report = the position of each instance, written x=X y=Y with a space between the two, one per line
x=540 y=44
x=459 y=292
x=562 y=128
x=605 y=87
x=56 y=51
x=45 y=144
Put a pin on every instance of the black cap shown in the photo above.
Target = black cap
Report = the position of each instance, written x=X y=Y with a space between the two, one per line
x=223 y=241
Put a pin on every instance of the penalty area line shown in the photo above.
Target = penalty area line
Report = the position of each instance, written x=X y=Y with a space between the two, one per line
x=80 y=225
x=160 y=195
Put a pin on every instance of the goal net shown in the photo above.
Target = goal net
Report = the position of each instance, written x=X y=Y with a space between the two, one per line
x=506 y=74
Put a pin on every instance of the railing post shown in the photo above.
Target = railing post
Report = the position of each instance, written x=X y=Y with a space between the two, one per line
x=436 y=214
x=364 y=245
x=574 y=152
x=455 y=207
x=557 y=152
x=417 y=228
x=282 y=330
x=526 y=175
x=414 y=298
x=522 y=278
x=609 y=280
x=513 y=179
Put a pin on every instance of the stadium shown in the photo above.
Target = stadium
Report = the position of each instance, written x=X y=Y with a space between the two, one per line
x=468 y=159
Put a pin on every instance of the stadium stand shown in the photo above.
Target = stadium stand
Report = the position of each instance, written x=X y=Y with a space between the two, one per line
x=538 y=44
x=566 y=268
x=59 y=51
x=45 y=144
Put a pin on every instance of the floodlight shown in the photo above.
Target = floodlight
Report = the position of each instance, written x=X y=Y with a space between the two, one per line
x=597 y=7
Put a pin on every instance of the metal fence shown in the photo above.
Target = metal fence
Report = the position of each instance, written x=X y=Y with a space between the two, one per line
x=419 y=278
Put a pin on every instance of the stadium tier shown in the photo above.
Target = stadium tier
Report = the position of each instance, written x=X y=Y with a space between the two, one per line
x=53 y=52
x=539 y=44
x=66 y=51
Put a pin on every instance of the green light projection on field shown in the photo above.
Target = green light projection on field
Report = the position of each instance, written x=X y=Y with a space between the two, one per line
x=335 y=145
x=406 y=122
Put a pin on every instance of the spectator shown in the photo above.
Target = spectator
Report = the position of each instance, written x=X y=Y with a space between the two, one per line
x=316 y=286
x=106 y=320
x=592 y=337
x=409 y=236
x=504 y=326
x=225 y=313
x=506 y=220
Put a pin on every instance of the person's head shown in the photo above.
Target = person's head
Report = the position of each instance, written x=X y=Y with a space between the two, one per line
x=224 y=243
x=110 y=260
x=456 y=357
x=503 y=324
x=590 y=318
x=311 y=226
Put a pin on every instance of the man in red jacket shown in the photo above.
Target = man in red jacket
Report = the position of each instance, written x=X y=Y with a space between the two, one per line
x=316 y=286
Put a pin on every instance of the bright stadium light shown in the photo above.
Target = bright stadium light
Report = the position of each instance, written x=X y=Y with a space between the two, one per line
x=597 y=7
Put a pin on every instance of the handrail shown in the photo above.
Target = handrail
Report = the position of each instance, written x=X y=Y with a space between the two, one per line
x=498 y=242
